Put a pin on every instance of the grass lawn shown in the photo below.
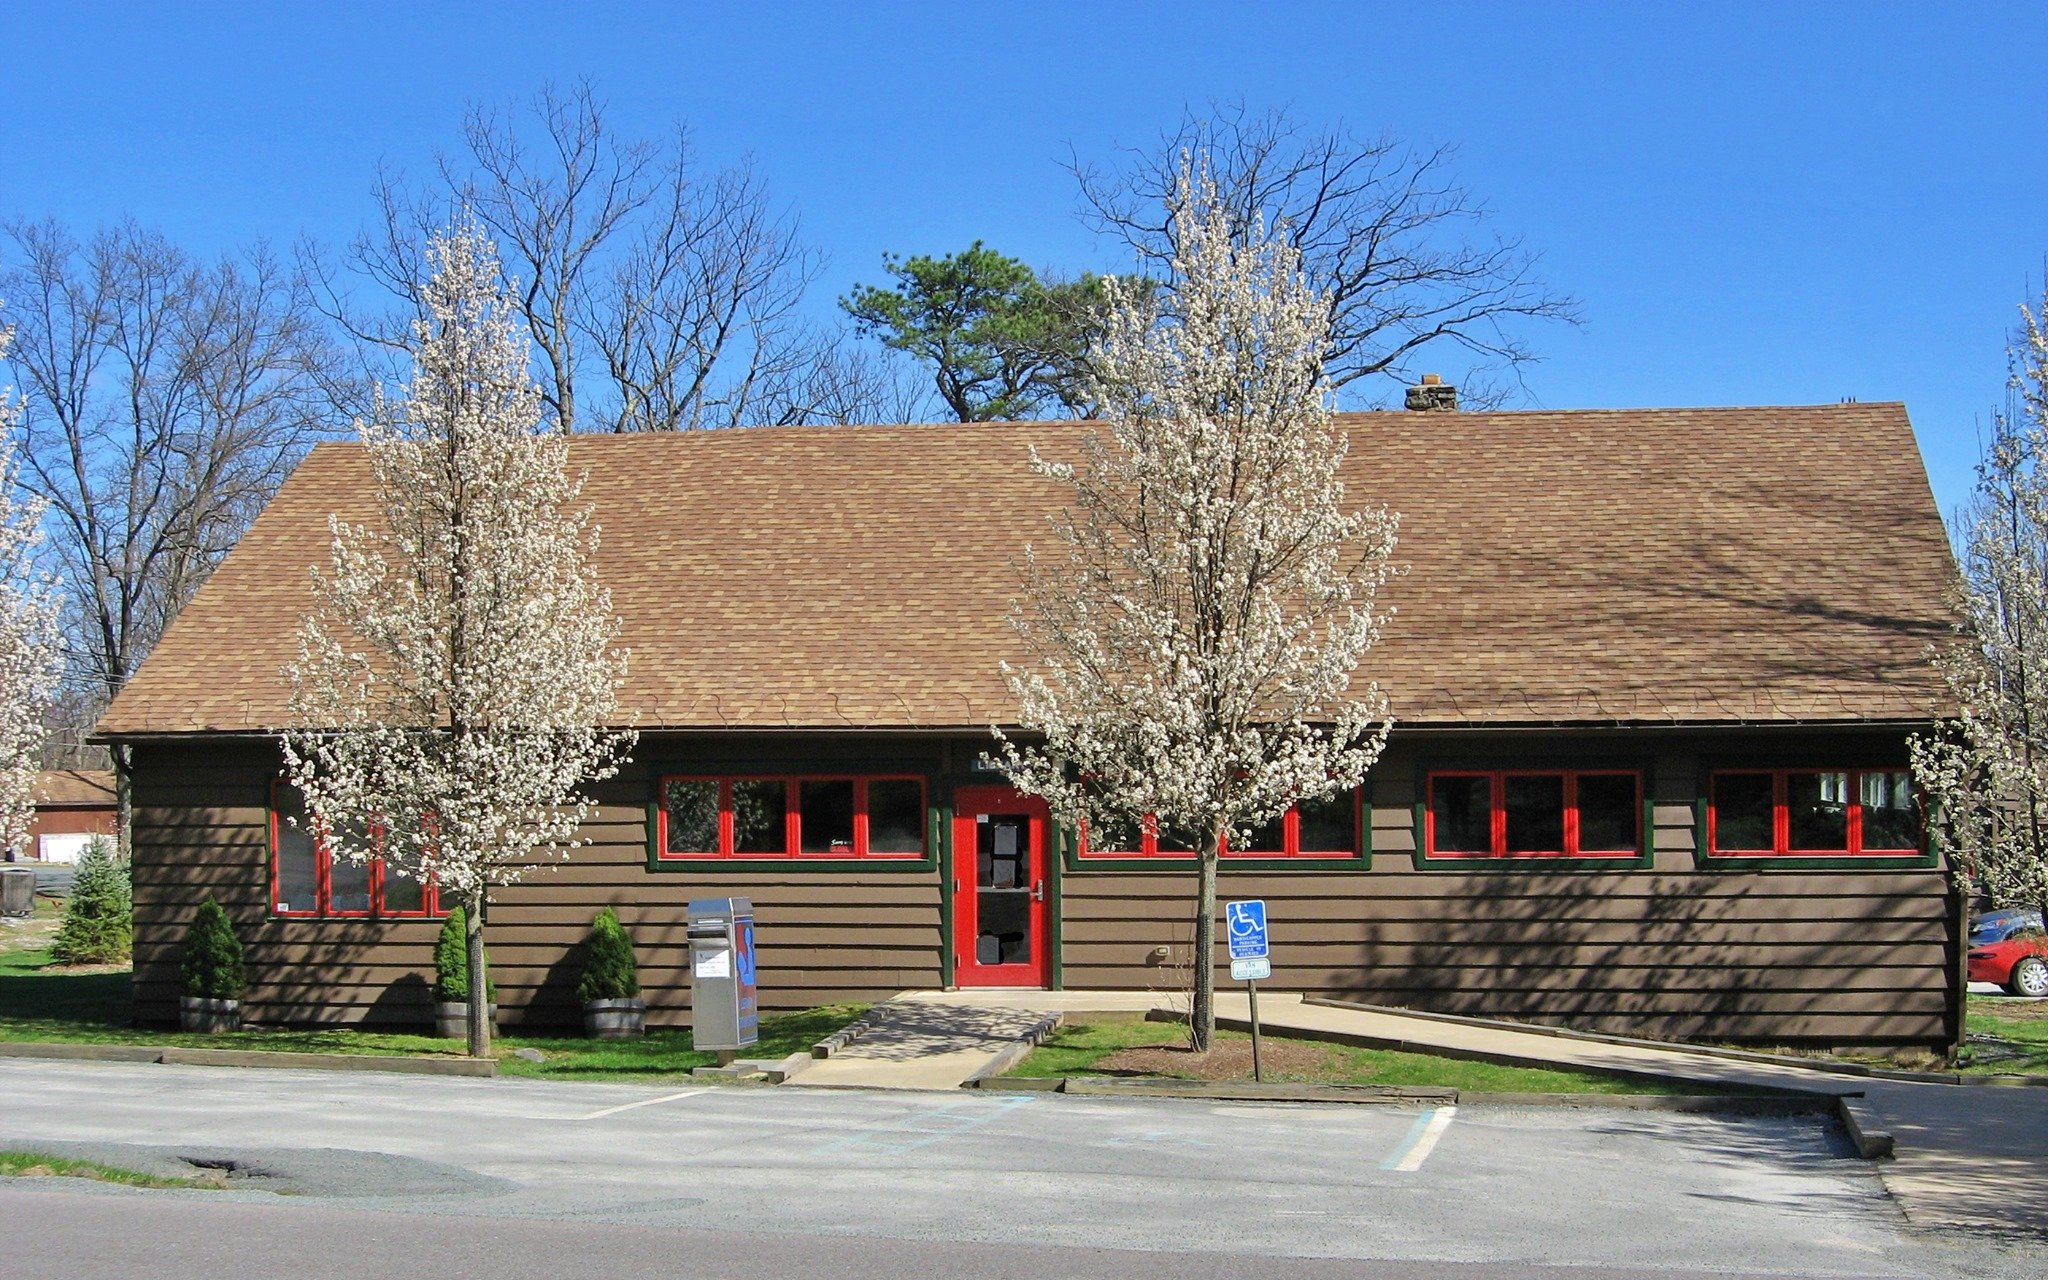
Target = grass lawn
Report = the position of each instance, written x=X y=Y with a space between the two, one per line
x=2006 y=1037
x=1080 y=1048
x=39 y=1002
x=34 y=1164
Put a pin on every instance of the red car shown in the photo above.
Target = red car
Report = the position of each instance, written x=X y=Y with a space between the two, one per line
x=2019 y=964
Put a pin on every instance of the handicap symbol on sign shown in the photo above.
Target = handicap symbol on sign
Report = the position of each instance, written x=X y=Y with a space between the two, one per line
x=1246 y=923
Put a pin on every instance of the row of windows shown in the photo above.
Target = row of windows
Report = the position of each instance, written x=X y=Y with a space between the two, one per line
x=1755 y=813
x=307 y=878
x=1324 y=828
x=1583 y=814
x=1813 y=813
x=877 y=817
x=1467 y=816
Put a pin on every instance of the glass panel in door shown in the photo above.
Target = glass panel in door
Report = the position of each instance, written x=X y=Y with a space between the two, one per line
x=1003 y=887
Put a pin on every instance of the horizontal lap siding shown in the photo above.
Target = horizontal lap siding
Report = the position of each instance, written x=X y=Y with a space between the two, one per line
x=1778 y=957
x=201 y=829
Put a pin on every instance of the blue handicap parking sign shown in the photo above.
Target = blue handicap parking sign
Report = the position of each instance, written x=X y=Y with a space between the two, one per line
x=1246 y=926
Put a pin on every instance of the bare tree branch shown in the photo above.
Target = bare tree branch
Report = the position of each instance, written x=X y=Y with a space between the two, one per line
x=658 y=296
x=1384 y=229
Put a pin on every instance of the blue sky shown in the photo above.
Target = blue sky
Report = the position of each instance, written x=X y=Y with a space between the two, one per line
x=1754 y=203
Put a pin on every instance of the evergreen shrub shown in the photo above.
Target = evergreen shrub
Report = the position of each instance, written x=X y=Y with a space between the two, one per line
x=609 y=970
x=99 y=917
x=211 y=967
x=451 y=961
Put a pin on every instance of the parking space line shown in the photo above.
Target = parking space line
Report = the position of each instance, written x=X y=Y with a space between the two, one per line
x=644 y=1102
x=1420 y=1141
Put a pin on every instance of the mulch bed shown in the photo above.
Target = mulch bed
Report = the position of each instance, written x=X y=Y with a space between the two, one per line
x=1226 y=1060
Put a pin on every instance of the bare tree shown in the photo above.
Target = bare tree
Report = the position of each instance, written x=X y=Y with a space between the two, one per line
x=164 y=400
x=658 y=296
x=1383 y=229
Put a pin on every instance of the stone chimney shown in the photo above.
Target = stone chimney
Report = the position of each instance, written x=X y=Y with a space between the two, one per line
x=1432 y=396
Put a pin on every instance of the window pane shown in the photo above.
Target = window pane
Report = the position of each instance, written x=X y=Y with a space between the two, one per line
x=758 y=809
x=692 y=816
x=1890 y=820
x=348 y=880
x=1175 y=840
x=1269 y=838
x=896 y=816
x=1607 y=813
x=298 y=872
x=827 y=816
x=1817 y=810
x=1113 y=836
x=402 y=893
x=1330 y=824
x=1461 y=815
x=1535 y=807
x=1742 y=812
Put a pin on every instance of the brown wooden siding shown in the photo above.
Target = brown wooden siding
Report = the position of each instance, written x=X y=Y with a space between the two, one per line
x=1816 y=956
x=1835 y=956
x=201 y=828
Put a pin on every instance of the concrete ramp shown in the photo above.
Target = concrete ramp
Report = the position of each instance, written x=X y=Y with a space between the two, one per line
x=918 y=1045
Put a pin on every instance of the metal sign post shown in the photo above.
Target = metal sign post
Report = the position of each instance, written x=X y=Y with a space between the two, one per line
x=1250 y=960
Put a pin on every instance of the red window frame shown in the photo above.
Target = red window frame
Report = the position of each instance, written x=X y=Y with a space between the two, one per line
x=1781 y=816
x=323 y=877
x=1290 y=838
x=792 y=819
x=1497 y=817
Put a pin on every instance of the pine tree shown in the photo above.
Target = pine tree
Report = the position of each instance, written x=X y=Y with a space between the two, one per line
x=609 y=969
x=211 y=967
x=99 y=917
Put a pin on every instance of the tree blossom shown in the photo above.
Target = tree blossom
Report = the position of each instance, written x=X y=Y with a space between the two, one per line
x=458 y=669
x=1199 y=629
x=31 y=643
x=1985 y=771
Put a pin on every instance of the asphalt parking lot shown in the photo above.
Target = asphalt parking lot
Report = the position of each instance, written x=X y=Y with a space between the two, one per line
x=1630 y=1192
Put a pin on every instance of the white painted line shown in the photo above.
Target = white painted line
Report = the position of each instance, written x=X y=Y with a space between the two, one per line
x=646 y=1102
x=1421 y=1140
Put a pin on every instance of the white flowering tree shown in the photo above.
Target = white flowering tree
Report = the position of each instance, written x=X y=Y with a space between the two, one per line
x=458 y=669
x=1985 y=771
x=31 y=644
x=1198 y=628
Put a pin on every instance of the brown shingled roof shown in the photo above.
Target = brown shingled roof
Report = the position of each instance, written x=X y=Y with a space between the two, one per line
x=1656 y=565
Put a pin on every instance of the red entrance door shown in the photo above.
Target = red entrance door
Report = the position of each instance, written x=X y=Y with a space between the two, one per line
x=999 y=920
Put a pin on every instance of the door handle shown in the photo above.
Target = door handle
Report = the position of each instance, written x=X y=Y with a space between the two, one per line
x=1038 y=891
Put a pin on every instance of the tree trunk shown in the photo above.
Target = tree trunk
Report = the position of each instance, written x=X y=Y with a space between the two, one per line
x=1202 y=1006
x=124 y=805
x=479 y=980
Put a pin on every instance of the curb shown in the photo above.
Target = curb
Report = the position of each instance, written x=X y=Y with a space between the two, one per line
x=1385 y=1095
x=83 y=1052
x=1857 y=1069
x=1865 y=1128
x=270 y=1058
x=846 y=1035
x=1015 y=1052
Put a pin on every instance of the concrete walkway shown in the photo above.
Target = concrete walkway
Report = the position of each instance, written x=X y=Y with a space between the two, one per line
x=918 y=1045
x=1967 y=1155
